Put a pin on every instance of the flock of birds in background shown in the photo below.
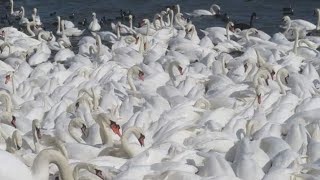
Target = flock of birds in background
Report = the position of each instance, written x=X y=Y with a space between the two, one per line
x=158 y=102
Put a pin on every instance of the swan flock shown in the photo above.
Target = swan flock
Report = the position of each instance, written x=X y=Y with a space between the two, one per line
x=158 y=101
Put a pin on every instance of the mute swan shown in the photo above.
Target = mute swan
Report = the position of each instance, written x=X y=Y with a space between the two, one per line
x=94 y=25
x=213 y=11
x=134 y=71
x=70 y=31
x=39 y=169
x=13 y=143
x=300 y=24
x=63 y=54
x=35 y=17
x=23 y=21
x=126 y=149
x=93 y=169
x=14 y=13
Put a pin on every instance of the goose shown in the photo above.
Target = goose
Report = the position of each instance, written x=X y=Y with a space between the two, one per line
x=39 y=169
x=243 y=26
x=94 y=25
x=213 y=11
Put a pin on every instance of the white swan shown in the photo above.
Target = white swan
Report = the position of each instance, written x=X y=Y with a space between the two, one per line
x=23 y=21
x=94 y=25
x=93 y=169
x=134 y=71
x=35 y=17
x=126 y=149
x=71 y=31
x=214 y=10
x=14 y=13
x=39 y=169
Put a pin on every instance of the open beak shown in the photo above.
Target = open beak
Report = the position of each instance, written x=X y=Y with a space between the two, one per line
x=99 y=173
x=286 y=79
x=141 y=139
x=141 y=75
x=13 y=122
x=38 y=133
x=259 y=99
x=7 y=79
x=115 y=128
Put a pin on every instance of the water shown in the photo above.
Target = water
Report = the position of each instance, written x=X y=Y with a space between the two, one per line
x=268 y=11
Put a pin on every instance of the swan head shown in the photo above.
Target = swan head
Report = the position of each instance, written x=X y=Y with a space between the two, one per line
x=95 y=170
x=138 y=71
x=141 y=139
x=79 y=123
x=17 y=139
x=94 y=15
x=36 y=127
x=254 y=15
x=230 y=26
x=130 y=17
x=286 y=19
x=115 y=128
x=13 y=122
x=35 y=10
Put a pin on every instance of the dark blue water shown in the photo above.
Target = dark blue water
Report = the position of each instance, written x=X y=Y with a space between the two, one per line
x=268 y=11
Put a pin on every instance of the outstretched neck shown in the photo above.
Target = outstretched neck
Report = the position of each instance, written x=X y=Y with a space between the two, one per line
x=318 y=23
x=40 y=167
x=279 y=74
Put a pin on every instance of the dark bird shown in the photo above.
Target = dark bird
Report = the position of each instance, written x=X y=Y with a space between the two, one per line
x=243 y=26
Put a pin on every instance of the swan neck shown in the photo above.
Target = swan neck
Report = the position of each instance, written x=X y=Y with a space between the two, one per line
x=105 y=133
x=171 y=18
x=227 y=31
x=32 y=34
x=71 y=130
x=22 y=12
x=11 y=2
x=40 y=167
x=295 y=46
x=141 y=45
x=279 y=74
x=59 y=25
x=130 y=79
x=288 y=27
x=124 y=140
x=77 y=168
x=171 y=66
x=247 y=36
x=118 y=31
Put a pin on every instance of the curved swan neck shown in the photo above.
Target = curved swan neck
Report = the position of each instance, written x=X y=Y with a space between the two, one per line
x=32 y=34
x=177 y=19
x=260 y=60
x=105 y=133
x=71 y=128
x=77 y=168
x=262 y=73
x=280 y=73
x=22 y=12
x=124 y=139
x=130 y=78
x=141 y=45
x=171 y=66
x=11 y=8
x=40 y=167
